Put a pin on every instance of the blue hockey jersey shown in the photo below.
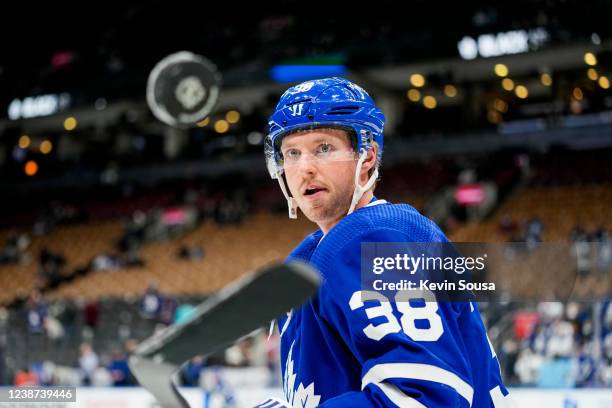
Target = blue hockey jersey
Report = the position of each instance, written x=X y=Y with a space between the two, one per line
x=341 y=350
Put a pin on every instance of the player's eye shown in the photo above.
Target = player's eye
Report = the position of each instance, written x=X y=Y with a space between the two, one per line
x=325 y=149
x=291 y=154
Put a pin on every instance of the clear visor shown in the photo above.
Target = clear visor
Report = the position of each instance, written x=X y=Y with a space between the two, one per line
x=323 y=154
x=273 y=165
x=318 y=153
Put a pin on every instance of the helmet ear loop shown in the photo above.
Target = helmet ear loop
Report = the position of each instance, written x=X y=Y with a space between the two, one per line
x=291 y=203
x=360 y=190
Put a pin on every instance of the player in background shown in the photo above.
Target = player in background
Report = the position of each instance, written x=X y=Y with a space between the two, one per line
x=324 y=147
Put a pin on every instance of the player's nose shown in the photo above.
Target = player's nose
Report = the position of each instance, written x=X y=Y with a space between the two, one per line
x=307 y=165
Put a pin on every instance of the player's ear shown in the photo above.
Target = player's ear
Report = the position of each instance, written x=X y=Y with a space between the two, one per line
x=370 y=160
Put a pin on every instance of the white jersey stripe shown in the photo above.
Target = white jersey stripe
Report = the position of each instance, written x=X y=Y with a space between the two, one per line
x=425 y=372
x=499 y=401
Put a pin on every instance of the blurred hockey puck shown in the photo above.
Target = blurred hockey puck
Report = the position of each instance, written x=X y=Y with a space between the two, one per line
x=183 y=88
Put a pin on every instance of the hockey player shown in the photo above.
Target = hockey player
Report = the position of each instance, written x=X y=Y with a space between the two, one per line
x=342 y=349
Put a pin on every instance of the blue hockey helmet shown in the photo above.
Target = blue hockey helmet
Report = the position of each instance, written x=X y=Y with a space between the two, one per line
x=324 y=103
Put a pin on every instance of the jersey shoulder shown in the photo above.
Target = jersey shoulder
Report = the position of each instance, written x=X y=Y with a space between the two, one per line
x=305 y=248
x=385 y=222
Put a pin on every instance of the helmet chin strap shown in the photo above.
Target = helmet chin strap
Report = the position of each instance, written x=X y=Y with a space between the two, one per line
x=360 y=190
x=291 y=203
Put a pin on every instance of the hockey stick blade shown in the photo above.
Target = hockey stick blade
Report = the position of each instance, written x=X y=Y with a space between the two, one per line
x=234 y=312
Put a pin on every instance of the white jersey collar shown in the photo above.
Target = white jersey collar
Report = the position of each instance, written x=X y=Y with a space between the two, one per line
x=377 y=202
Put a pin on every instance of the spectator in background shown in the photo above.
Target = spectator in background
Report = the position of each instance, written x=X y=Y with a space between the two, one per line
x=134 y=233
x=560 y=342
x=151 y=302
x=217 y=387
x=91 y=314
x=581 y=250
x=36 y=312
x=88 y=362
x=240 y=354
x=527 y=366
x=190 y=374
x=14 y=249
x=535 y=228
x=508 y=357
x=191 y=253
x=68 y=318
x=604 y=250
x=507 y=225
x=120 y=371
x=533 y=233
x=130 y=346
x=25 y=378
x=578 y=234
x=43 y=372
x=586 y=368
x=105 y=262
x=167 y=310
x=50 y=267
x=54 y=329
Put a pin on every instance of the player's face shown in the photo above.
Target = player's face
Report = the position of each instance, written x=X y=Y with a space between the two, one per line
x=320 y=168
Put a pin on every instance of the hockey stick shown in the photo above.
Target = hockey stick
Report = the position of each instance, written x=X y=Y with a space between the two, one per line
x=234 y=312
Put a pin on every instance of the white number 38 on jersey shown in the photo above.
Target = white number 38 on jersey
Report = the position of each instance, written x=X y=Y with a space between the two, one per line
x=410 y=314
